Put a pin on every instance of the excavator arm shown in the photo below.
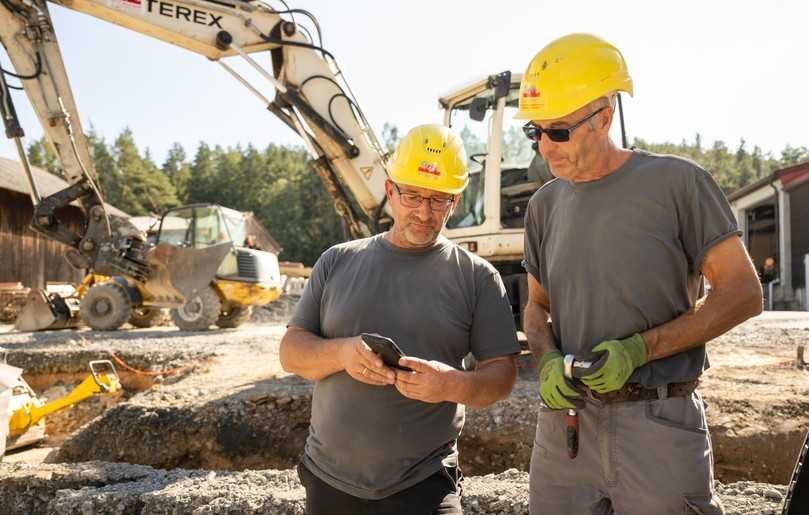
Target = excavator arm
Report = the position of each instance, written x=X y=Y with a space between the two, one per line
x=110 y=245
x=310 y=96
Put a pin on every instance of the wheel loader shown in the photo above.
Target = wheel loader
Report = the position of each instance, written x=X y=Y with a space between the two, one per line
x=243 y=278
x=246 y=277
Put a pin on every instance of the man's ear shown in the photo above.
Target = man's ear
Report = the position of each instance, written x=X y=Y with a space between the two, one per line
x=605 y=119
x=389 y=189
x=454 y=203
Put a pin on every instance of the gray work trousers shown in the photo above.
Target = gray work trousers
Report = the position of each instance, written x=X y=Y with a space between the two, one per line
x=634 y=458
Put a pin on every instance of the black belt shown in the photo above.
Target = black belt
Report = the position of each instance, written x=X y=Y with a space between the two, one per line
x=633 y=392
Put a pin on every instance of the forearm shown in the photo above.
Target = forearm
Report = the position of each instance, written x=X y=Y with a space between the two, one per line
x=489 y=383
x=538 y=330
x=712 y=316
x=310 y=356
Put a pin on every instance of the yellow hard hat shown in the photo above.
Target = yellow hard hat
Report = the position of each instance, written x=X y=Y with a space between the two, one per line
x=431 y=156
x=569 y=73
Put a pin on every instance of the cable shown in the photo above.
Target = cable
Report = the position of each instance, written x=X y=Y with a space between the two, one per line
x=350 y=104
x=291 y=15
x=311 y=18
x=355 y=109
x=307 y=33
x=13 y=8
x=282 y=42
x=169 y=372
x=26 y=77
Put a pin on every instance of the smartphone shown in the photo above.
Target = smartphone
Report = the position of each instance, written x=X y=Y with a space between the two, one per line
x=386 y=349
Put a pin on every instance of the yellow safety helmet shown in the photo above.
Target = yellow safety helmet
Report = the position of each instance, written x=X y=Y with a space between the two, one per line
x=569 y=73
x=431 y=156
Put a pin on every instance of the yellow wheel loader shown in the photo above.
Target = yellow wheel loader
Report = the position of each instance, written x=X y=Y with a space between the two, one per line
x=242 y=278
x=246 y=277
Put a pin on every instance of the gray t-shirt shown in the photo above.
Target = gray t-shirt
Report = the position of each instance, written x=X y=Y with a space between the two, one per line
x=437 y=304
x=622 y=254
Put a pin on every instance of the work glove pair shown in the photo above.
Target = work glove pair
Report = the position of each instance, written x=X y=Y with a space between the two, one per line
x=623 y=357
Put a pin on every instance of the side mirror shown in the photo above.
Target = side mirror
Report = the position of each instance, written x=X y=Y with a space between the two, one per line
x=477 y=110
x=501 y=84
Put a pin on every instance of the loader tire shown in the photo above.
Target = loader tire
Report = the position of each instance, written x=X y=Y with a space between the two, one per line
x=199 y=313
x=145 y=317
x=234 y=317
x=105 y=307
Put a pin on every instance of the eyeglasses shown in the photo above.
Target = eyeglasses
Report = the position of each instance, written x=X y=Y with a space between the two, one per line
x=534 y=132
x=412 y=200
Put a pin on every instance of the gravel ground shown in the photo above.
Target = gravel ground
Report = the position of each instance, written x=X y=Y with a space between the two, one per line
x=115 y=488
x=234 y=408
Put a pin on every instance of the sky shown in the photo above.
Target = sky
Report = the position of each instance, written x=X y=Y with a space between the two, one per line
x=726 y=69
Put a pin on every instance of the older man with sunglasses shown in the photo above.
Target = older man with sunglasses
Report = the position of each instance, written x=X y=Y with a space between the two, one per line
x=616 y=248
x=383 y=441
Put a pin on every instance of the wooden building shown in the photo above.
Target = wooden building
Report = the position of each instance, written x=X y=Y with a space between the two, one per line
x=773 y=214
x=26 y=256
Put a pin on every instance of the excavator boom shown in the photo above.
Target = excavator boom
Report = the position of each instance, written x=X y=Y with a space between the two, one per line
x=311 y=97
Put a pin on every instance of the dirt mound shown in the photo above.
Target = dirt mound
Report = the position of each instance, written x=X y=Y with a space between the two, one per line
x=263 y=427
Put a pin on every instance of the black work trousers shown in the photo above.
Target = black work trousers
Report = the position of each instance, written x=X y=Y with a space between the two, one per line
x=439 y=494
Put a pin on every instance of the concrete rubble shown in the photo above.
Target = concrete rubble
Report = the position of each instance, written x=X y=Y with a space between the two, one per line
x=116 y=489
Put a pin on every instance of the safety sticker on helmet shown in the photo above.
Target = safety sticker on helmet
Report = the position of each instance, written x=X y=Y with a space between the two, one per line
x=430 y=168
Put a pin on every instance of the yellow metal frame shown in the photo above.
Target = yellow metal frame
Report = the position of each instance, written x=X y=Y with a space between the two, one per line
x=246 y=294
x=35 y=409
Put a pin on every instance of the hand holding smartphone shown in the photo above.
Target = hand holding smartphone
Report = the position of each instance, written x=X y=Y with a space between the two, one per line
x=386 y=349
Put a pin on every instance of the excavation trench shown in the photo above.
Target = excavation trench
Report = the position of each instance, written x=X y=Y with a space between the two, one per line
x=232 y=408
x=265 y=426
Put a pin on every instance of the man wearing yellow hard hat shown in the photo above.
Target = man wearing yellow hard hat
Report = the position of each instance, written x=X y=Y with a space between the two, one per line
x=383 y=440
x=615 y=249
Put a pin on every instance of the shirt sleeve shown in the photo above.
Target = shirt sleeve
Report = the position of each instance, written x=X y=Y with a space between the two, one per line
x=708 y=219
x=532 y=241
x=307 y=312
x=493 y=333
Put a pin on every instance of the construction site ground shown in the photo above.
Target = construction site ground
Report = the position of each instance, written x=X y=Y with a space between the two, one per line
x=214 y=425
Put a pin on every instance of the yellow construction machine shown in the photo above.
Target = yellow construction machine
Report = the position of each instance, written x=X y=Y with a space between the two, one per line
x=245 y=277
x=26 y=424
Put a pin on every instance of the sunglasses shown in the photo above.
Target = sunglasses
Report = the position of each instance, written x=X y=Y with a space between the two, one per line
x=534 y=132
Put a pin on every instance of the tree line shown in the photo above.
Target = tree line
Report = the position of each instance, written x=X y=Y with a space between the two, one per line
x=278 y=184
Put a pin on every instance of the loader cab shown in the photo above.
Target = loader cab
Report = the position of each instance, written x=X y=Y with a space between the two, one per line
x=203 y=225
x=504 y=168
x=505 y=171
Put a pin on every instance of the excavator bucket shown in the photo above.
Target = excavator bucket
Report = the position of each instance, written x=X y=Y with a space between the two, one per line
x=178 y=273
x=45 y=310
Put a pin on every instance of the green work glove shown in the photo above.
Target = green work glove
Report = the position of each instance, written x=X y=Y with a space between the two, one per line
x=623 y=357
x=553 y=388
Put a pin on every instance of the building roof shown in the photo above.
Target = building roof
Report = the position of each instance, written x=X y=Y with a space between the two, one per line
x=13 y=178
x=790 y=177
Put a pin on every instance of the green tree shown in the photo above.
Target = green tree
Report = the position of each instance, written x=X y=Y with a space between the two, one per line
x=177 y=168
x=41 y=154
x=794 y=155
x=144 y=188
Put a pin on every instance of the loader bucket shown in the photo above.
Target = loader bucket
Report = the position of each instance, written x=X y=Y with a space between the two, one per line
x=45 y=310
x=178 y=273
